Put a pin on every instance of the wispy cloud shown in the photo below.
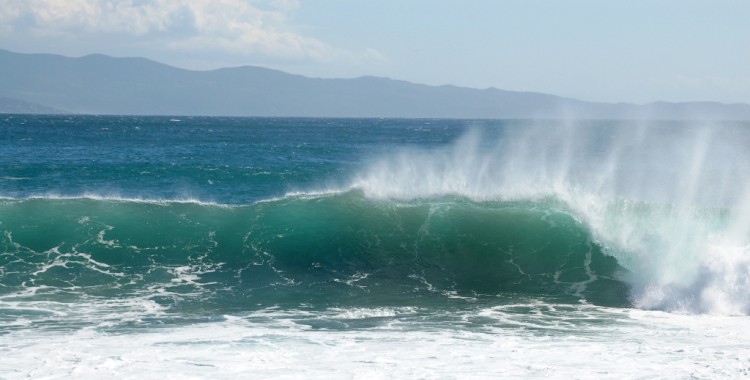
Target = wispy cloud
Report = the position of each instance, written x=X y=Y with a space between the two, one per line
x=238 y=27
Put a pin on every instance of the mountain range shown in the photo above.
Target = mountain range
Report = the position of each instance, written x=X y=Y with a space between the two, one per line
x=99 y=84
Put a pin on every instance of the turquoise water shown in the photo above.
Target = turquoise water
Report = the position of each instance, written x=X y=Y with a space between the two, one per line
x=135 y=226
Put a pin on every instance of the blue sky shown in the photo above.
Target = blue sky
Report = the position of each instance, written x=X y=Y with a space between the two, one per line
x=632 y=51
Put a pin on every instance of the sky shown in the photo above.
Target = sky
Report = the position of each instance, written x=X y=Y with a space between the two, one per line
x=609 y=51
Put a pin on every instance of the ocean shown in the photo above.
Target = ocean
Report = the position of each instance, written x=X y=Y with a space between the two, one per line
x=295 y=248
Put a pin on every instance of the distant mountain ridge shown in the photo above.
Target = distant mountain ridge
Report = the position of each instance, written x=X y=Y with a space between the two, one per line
x=8 y=105
x=99 y=84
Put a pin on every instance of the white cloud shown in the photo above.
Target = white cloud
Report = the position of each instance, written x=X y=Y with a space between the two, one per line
x=238 y=27
x=10 y=11
x=89 y=16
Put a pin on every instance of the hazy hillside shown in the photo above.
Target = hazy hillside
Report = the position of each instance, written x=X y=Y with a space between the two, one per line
x=98 y=84
x=8 y=105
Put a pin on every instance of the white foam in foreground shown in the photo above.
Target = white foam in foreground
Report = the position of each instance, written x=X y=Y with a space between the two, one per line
x=575 y=342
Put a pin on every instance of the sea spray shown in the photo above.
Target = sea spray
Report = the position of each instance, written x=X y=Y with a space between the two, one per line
x=669 y=202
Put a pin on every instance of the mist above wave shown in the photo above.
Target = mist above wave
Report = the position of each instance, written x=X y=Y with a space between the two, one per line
x=670 y=201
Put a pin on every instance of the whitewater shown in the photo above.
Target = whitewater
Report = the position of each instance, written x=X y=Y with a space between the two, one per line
x=152 y=247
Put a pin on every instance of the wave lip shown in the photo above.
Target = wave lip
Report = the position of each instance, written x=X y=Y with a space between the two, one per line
x=116 y=198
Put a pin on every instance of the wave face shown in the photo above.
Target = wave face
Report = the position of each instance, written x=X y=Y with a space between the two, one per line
x=335 y=250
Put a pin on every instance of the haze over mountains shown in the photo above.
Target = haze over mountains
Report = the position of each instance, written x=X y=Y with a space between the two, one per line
x=98 y=84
